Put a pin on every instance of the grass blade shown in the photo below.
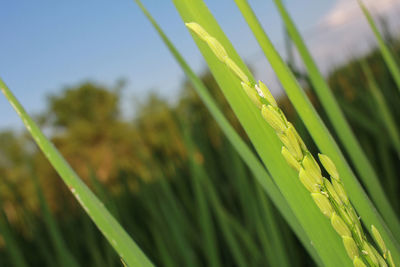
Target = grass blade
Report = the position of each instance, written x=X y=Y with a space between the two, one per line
x=275 y=235
x=382 y=107
x=115 y=234
x=263 y=138
x=366 y=172
x=390 y=173
x=387 y=55
x=223 y=221
x=244 y=151
x=209 y=241
x=321 y=135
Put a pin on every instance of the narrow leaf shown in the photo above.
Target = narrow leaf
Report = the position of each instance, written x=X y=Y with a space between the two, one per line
x=244 y=151
x=387 y=55
x=367 y=173
x=320 y=133
x=263 y=137
x=115 y=234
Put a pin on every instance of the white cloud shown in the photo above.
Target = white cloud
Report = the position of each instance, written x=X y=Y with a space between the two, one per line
x=344 y=32
x=348 y=11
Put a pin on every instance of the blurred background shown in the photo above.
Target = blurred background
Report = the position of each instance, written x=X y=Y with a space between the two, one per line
x=101 y=84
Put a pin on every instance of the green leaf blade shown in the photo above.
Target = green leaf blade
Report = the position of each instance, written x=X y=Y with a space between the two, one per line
x=244 y=151
x=115 y=234
x=387 y=55
x=264 y=139
x=321 y=135
x=363 y=166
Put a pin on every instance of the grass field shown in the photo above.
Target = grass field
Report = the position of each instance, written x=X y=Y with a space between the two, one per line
x=225 y=176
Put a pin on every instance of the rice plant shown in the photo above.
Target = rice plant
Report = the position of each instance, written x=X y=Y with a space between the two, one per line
x=260 y=197
x=331 y=198
x=338 y=120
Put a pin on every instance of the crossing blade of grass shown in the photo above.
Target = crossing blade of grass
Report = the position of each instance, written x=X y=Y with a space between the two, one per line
x=386 y=53
x=274 y=230
x=326 y=242
x=175 y=216
x=390 y=173
x=64 y=256
x=168 y=254
x=259 y=213
x=182 y=242
x=236 y=171
x=244 y=151
x=237 y=238
x=244 y=238
x=323 y=138
x=221 y=218
x=382 y=107
x=115 y=234
x=178 y=214
x=103 y=195
x=210 y=242
x=360 y=119
x=361 y=163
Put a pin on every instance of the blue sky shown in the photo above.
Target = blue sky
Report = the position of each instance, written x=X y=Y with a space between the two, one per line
x=48 y=45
